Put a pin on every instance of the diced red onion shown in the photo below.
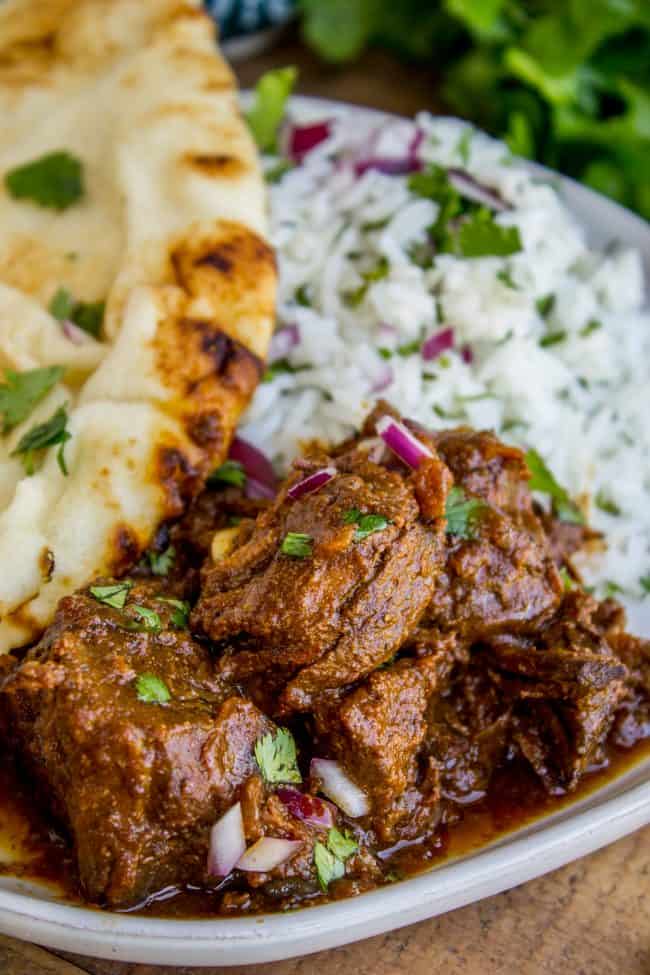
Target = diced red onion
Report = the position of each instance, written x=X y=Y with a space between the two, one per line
x=467 y=355
x=72 y=332
x=284 y=340
x=312 y=483
x=301 y=139
x=267 y=854
x=338 y=787
x=383 y=380
x=310 y=809
x=388 y=330
x=401 y=441
x=415 y=143
x=227 y=842
x=438 y=343
x=261 y=481
x=389 y=165
x=468 y=187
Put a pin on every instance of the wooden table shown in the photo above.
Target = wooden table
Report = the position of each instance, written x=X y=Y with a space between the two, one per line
x=590 y=918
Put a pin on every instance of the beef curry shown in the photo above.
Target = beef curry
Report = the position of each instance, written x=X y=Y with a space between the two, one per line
x=303 y=698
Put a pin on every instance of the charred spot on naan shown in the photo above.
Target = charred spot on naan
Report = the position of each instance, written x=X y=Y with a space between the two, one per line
x=179 y=478
x=125 y=549
x=232 y=272
x=220 y=165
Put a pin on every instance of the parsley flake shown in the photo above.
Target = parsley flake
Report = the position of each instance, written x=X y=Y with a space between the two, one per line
x=545 y=305
x=54 y=180
x=366 y=524
x=181 y=615
x=644 y=582
x=606 y=504
x=593 y=325
x=481 y=236
x=297 y=544
x=22 y=391
x=543 y=480
x=463 y=513
x=329 y=859
x=43 y=435
x=86 y=315
x=161 y=563
x=114 y=595
x=151 y=689
x=230 y=472
x=552 y=338
x=149 y=618
x=276 y=757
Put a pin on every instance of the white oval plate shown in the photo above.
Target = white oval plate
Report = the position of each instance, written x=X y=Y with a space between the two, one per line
x=622 y=806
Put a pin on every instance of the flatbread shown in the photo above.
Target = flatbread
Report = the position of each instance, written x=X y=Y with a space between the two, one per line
x=170 y=233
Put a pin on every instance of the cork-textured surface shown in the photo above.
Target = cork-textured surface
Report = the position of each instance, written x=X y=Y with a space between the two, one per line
x=589 y=918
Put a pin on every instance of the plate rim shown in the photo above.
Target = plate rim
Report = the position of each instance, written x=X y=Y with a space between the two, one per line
x=552 y=843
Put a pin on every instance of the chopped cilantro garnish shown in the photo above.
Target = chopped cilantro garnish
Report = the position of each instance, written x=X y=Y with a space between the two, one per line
x=385 y=353
x=150 y=618
x=409 y=348
x=230 y=472
x=592 y=326
x=267 y=111
x=552 y=338
x=545 y=305
x=301 y=296
x=161 y=563
x=43 y=435
x=542 y=480
x=375 y=225
x=297 y=545
x=505 y=277
x=605 y=503
x=276 y=172
x=278 y=367
x=114 y=595
x=86 y=315
x=22 y=391
x=481 y=236
x=181 y=615
x=330 y=860
x=611 y=589
x=366 y=524
x=54 y=180
x=151 y=689
x=463 y=514
x=567 y=581
x=644 y=582
x=354 y=298
x=276 y=757
x=464 y=144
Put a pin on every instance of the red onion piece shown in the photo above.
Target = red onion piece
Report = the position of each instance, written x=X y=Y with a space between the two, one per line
x=301 y=139
x=415 y=143
x=227 y=842
x=391 y=166
x=467 y=355
x=71 y=331
x=401 y=441
x=310 y=809
x=269 y=852
x=383 y=380
x=312 y=483
x=437 y=343
x=261 y=481
x=338 y=787
x=284 y=340
x=388 y=330
x=468 y=187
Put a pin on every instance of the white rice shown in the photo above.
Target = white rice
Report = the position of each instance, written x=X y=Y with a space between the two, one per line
x=582 y=403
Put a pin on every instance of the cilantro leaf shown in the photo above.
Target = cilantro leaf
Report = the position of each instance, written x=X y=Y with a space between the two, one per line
x=644 y=582
x=151 y=689
x=275 y=173
x=54 y=180
x=463 y=514
x=593 y=325
x=114 y=595
x=552 y=338
x=149 y=617
x=567 y=579
x=43 y=435
x=354 y=298
x=330 y=860
x=481 y=236
x=276 y=757
x=366 y=524
x=230 y=472
x=544 y=305
x=181 y=615
x=542 y=480
x=605 y=503
x=267 y=111
x=88 y=316
x=22 y=391
x=161 y=563
x=297 y=544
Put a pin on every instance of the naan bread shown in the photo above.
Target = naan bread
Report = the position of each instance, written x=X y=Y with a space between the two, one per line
x=170 y=233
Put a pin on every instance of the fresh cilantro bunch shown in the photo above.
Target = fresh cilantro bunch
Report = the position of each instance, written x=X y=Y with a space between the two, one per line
x=566 y=83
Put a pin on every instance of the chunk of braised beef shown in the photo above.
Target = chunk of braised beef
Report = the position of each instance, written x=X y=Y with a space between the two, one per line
x=632 y=721
x=343 y=604
x=134 y=743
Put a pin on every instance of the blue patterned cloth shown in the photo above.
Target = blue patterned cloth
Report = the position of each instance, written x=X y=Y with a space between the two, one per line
x=239 y=17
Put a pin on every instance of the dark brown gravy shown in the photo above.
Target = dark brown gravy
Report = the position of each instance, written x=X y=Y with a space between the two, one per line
x=32 y=850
